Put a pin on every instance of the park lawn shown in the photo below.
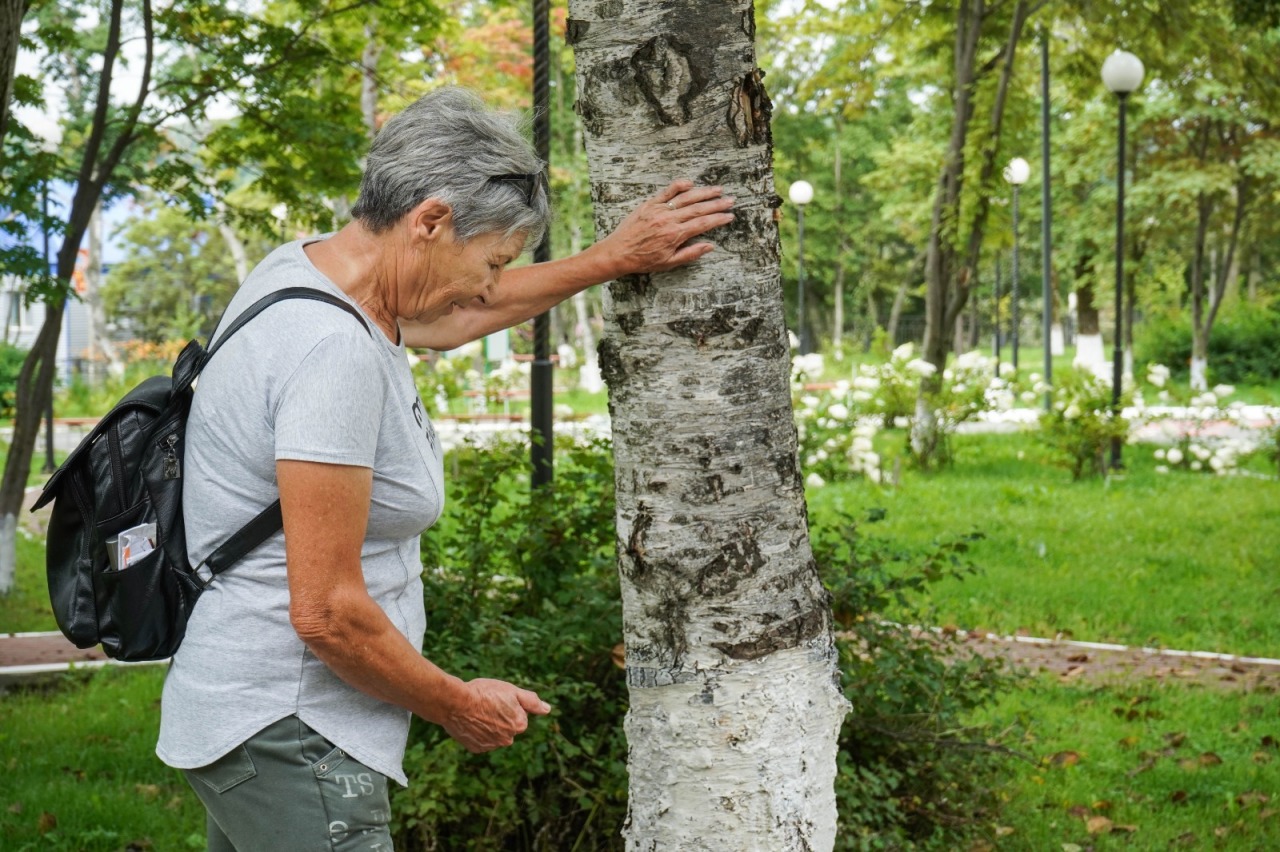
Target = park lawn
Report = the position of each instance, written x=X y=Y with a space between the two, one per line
x=1171 y=765
x=1179 y=560
x=81 y=773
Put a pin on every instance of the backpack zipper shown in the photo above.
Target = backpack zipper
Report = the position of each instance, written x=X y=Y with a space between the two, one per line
x=117 y=463
x=172 y=467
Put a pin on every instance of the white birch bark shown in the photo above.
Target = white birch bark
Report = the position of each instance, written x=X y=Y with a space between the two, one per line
x=99 y=341
x=1057 y=340
x=1091 y=355
x=8 y=553
x=735 y=707
x=239 y=257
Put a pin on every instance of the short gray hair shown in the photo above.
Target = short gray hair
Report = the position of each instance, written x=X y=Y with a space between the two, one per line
x=448 y=145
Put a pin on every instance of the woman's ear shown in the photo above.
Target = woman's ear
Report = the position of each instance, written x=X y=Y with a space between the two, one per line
x=429 y=219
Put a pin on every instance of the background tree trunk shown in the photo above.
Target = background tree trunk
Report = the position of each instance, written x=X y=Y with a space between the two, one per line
x=11 y=14
x=735 y=707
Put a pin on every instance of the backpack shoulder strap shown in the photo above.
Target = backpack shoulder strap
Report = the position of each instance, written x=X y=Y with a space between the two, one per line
x=270 y=520
x=280 y=296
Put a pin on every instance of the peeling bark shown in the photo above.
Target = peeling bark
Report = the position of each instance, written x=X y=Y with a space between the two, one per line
x=735 y=707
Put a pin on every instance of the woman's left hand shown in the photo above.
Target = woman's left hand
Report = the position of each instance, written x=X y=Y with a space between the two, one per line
x=654 y=236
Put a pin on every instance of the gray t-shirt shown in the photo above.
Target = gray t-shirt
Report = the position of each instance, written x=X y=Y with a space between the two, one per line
x=303 y=380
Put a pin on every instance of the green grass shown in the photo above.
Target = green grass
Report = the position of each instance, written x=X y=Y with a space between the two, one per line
x=1182 y=765
x=1180 y=560
x=26 y=609
x=81 y=774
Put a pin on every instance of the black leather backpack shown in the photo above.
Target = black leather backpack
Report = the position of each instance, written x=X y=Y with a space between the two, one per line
x=126 y=473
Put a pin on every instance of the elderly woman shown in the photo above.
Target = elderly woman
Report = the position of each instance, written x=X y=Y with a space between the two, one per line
x=289 y=702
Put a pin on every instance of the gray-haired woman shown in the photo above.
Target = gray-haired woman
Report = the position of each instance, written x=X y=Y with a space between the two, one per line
x=289 y=702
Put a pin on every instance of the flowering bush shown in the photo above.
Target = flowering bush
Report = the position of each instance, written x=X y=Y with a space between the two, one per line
x=1079 y=424
x=1203 y=433
x=442 y=380
x=835 y=443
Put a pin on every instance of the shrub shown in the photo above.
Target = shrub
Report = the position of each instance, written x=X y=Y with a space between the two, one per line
x=911 y=774
x=1242 y=346
x=1079 y=426
x=522 y=586
x=11 y=358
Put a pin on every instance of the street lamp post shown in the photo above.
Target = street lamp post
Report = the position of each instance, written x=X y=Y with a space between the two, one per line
x=1122 y=74
x=998 y=265
x=1046 y=217
x=1016 y=173
x=801 y=194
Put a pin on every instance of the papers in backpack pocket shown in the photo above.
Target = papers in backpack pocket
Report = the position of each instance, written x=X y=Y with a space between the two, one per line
x=133 y=544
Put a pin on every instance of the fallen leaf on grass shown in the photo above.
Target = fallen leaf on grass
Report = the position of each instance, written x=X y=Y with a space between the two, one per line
x=1210 y=759
x=1252 y=797
x=1065 y=758
x=1261 y=757
x=1178 y=796
x=1097 y=825
x=1101 y=805
x=1124 y=829
x=1175 y=740
x=15 y=808
x=1267 y=813
x=1221 y=831
x=1078 y=658
x=1238 y=669
x=1148 y=762
x=1004 y=830
x=1071 y=673
x=1188 y=839
x=46 y=823
x=147 y=791
x=1128 y=742
x=1078 y=811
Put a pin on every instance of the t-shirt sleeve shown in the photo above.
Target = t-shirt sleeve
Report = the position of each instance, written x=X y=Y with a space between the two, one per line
x=330 y=409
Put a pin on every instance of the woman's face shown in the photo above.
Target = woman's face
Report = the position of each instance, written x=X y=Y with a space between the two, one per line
x=450 y=275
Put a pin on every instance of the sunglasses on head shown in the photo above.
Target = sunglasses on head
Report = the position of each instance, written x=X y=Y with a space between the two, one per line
x=527 y=184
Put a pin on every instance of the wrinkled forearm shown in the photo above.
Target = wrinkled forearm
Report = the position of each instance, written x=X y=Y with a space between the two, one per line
x=352 y=636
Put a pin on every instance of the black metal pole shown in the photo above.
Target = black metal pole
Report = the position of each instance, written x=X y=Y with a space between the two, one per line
x=802 y=327
x=540 y=380
x=1117 y=372
x=997 y=316
x=49 y=466
x=1046 y=216
x=1013 y=284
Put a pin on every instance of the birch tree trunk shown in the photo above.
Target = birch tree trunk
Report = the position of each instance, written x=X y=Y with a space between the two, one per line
x=99 y=338
x=735 y=707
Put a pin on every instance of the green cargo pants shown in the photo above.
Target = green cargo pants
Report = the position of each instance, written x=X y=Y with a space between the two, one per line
x=288 y=789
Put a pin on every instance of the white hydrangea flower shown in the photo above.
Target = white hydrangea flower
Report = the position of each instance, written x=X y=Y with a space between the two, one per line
x=921 y=366
x=1072 y=411
x=1174 y=456
x=861 y=396
x=904 y=352
x=1217 y=463
x=1159 y=454
x=814 y=481
x=1158 y=374
x=1163 y=396
x=1195 y=465
x=810 y=402
x=1028 y=396
x=838 y=411
x=842 y=388
x=862 y=444
x=1223 y=390
x=960 y=387
x=1161 y=468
